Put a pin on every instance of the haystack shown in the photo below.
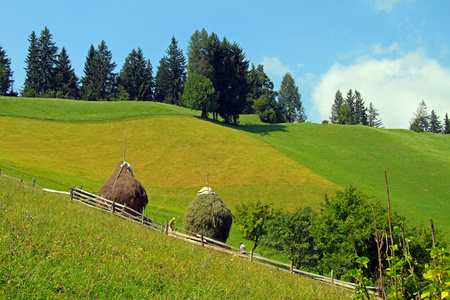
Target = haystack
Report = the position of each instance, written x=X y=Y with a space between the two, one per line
x=122 y=187
x=208 y=215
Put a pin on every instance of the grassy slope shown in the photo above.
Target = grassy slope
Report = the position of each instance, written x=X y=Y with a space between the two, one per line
x=53 y=248
x=418 y=165
x=170 y=156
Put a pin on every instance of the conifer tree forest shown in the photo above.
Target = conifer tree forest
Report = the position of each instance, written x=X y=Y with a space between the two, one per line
x=238 y=86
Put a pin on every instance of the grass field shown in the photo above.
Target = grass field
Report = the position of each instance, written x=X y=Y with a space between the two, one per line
x=54 y=248
x=66 y=143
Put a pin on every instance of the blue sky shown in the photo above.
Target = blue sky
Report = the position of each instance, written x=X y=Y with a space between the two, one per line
x=396 y=53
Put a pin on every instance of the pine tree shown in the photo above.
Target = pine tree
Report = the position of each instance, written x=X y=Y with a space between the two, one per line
x=5 y=73
x=290 y=100
x=99 y=79
x=336 y=107
x=420 y=119
x=136 y=76
x=373 y=120
x=259 y=84
x=48 y=53
x=66 y=81
x=171 y=75
x=446 y=125
x=360 y=110
x=435 y=124
x=32 y=85
x=349 y=102
x=91 y=81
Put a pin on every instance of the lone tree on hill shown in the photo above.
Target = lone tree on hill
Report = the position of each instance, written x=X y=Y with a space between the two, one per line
x=290 y=100
x=435 y=124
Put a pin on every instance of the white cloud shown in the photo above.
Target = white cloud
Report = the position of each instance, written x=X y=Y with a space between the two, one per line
x=394 y=86
x=274 y=67
x=385 y=5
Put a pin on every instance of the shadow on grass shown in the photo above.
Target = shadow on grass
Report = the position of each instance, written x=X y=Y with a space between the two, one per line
x=261 y=129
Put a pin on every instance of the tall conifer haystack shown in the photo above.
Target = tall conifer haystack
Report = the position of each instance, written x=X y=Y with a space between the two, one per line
x=208 y=215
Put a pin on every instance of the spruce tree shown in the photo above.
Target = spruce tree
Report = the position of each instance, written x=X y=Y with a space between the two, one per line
x=289 y=99
x=360 y=110
x=171 y=75
x=373 y=120
x=350 y=112
x=32 y=83
x=336 y=107
x=48 y=54
x=136 y=76
x=99 y=79
x=446 y=125
x=5 y=73
x=435 y=124
x=421 y=118
x=66 y=81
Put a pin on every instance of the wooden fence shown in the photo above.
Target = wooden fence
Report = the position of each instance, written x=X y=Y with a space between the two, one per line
x=120 y=210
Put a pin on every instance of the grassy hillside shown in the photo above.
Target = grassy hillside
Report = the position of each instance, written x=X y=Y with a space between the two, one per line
x=288 y=164
x=418 y=165
x=53 y=248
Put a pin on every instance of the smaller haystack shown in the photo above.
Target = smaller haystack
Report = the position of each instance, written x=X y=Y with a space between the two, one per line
x=122 y=187
x=208 y=215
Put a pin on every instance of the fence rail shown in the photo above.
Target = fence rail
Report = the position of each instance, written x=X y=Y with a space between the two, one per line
x=121 y=210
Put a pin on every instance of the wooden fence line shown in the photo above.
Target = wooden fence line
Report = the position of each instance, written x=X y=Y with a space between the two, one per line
x=120 y=210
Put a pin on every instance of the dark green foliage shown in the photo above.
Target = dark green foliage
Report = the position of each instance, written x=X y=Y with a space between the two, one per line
x=136 y=77
x=171 y=75
x=98 y=82
x=32 y=82
x=48 y=54
x=259 y=84
x=208 y=215
x=360 y=110
x=435 y=124
x=199 y=94
x=225 y=65
x=446 y=125
x=421 y=120
x=333 y=236
x=352 y=110
x=269 y=110
x=5 y=73
x=292 y=234
x=336 y=107
x=290 y=100
x=66 y=81
x=373 y=120
x=253 y=219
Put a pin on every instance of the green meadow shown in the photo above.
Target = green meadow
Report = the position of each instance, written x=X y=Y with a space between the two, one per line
x=52 y=248
x=66 y=143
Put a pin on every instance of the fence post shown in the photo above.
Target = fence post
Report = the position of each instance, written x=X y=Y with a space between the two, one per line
x=21 y=180
x=71 y=194
x=203 y=245
x=34 y=181
x=167 y=226
x=292 y=266
x=251 y=255
x=0 y=171
x=332 y=277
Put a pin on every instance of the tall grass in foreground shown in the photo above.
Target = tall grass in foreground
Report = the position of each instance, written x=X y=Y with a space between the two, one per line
x=54 y=248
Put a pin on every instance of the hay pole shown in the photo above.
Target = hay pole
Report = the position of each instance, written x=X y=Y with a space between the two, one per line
x=124 y=145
